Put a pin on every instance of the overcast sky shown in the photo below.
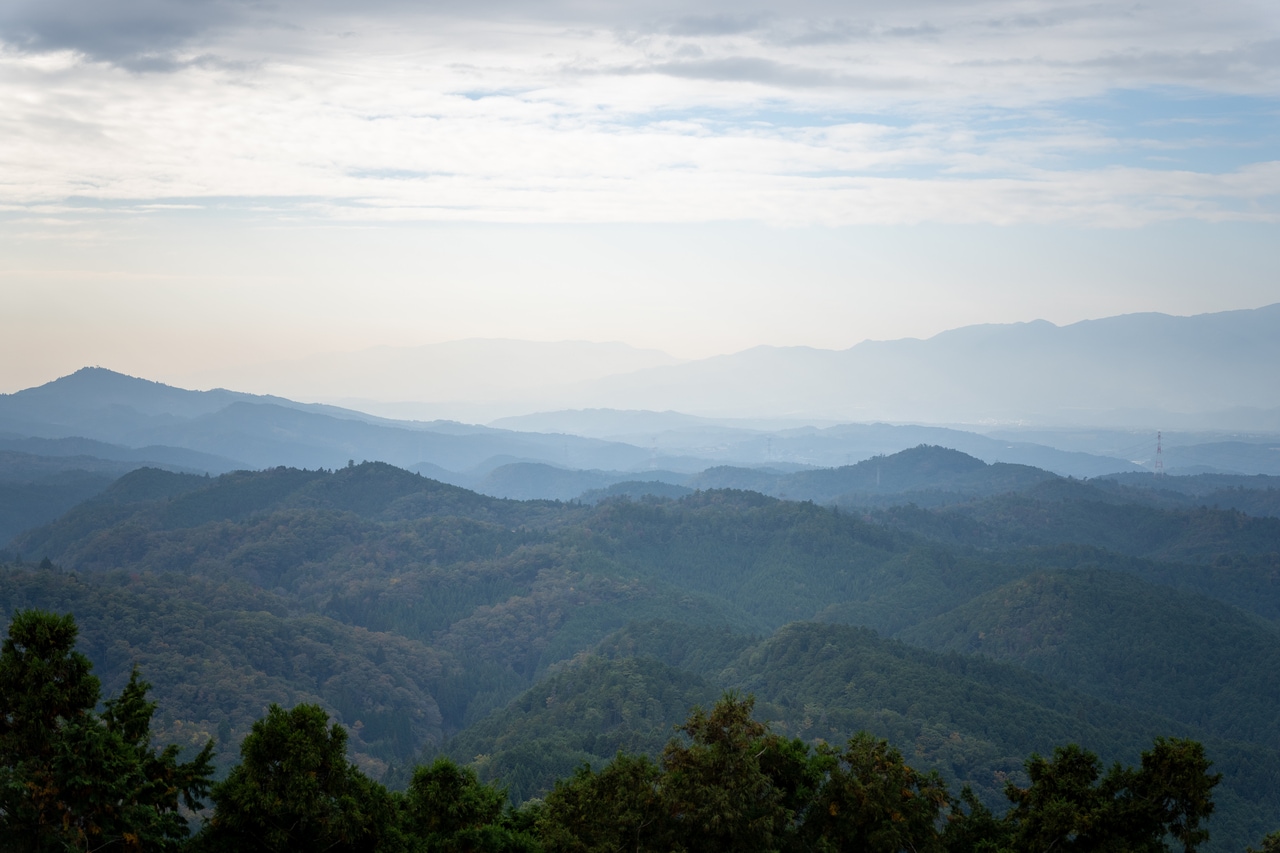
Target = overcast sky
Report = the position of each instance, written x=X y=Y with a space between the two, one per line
x=192 y=183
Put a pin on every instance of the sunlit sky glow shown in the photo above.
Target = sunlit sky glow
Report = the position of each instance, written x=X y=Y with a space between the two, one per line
x=187 y=184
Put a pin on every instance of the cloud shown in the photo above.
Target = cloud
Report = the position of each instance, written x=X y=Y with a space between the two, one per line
x=767 y=72
x=138 y=33
x=911 y=112
x=713 y=25
x=1248 y=62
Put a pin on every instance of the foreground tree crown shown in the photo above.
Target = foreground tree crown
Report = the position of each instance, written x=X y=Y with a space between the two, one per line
x=73 y=778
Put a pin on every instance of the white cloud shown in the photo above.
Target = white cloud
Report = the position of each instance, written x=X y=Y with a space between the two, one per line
x=624 y=115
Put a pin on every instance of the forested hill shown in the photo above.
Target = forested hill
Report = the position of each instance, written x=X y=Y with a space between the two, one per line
x=527 y=636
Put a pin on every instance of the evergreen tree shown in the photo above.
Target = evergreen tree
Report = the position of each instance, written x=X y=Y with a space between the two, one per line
x=619 y=808
x=1270 y=844
x=447 y=809
x=717 y=790
x=294 y=789
x=873 y=802
x=73 y=779
x=732 y=785
x=1071 y=805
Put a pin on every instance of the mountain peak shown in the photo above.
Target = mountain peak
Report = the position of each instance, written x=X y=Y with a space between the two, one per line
x=96 y=377
x=90 y=390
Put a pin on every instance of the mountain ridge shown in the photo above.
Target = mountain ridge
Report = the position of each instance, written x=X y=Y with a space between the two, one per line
x=331 y=586
x=1151 y=363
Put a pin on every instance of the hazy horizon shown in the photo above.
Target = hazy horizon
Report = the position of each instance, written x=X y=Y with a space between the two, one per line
x=298 y=377
x=1147 y=371
x=204 y=186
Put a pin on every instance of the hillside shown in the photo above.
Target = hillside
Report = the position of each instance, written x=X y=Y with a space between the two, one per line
x=1128 y=641
x=968 y=718
x=419 y=614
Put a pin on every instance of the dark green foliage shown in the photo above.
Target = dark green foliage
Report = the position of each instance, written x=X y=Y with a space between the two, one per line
x=703 y=649
x=445 y=799
x=970 y=719
x=1270 y=844
x=729 y=785
x=70 y=778
x=151 y=484
x=73 y=779
x=1200 y=662
x=586 y=712
x=619 y=808
x=1072 y=805
x=44 y=682
x=872 y=801
x=734 y=785
x=294 y=789
x=777 y=561
x=447 y=809
x=220 y=653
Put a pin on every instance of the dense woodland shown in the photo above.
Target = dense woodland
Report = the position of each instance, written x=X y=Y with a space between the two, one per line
x=549 y=651
x=75 y=778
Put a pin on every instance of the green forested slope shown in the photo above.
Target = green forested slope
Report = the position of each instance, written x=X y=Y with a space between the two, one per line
x=219 y=653
x=971 y=719
x=927 y=474
x=587 y=711
x=1120 y=638
x=412 y=610
x=1071 y=512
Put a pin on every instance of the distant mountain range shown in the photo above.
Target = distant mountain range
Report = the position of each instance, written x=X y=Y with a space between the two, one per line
x=1148 y=371
x=926 y=476
x=228 y=430
x=1210 y=370
x=97 y=412
x=71 y=435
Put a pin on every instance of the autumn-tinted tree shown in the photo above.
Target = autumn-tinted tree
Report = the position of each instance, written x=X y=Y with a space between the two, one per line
x=717 y=786
x=872 y=801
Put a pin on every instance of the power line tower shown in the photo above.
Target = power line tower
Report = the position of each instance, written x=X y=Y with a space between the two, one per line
x=1159 y=466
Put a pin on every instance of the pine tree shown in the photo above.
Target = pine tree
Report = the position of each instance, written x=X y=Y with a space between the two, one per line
x=71 y=778
x=294 y=789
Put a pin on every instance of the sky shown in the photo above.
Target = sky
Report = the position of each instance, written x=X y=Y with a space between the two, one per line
x=188 y=185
